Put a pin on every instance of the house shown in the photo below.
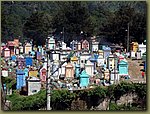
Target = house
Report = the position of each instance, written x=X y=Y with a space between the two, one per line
x=33 y=85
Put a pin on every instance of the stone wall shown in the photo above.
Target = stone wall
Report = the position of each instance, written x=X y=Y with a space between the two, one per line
x=103 y=104
x=126 y=98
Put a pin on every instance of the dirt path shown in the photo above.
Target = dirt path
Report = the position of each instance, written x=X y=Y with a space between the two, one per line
x=134 y=69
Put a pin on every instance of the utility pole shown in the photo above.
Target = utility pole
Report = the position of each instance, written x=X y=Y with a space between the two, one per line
x=63 y=34
x=48 y=79
x=128 y=37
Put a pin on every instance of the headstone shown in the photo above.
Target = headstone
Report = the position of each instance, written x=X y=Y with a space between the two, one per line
x=106 y=74
x=85 y=45
x=95 y=46
x=74 y=59
x=89 y=68
x=142 y=48
x=112 y=62
x=11 y=46
x=79 y=46
x=69 y=72
x=20 y=79
x=84 y=79
x=123 y=67
x=21 y=49
x=43 y=72
x=17 y=51
x=26 y=71
x=51 y=42
x=55 y=70
x=114 y=77
x=132 y=54
x=7 y=52
x=77 y=70
x=33 y=73
x=138 y=55
x=4 y=72
x=28 y=48
x=107 y=51
x=34 y=85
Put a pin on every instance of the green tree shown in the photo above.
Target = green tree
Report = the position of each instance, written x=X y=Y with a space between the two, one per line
x=118 y=25
x=11 y=23
x=74 y=17
x=38 y=27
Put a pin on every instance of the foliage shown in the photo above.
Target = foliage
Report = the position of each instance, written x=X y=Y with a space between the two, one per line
x=93 y=18
x=8 y=81
x=38 y=27
x=33 y=102
x=61 y=99
x=115 y=107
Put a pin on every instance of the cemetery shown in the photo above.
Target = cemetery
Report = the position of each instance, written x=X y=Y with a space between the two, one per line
x=83 y=65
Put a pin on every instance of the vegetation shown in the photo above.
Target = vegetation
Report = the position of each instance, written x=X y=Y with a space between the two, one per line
x=33 y=102
x=63 y=99
x=35 y=20
x=10 y=82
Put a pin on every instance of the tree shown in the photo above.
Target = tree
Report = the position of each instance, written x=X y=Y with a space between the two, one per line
x=118 y=24
x=11 y=22
x=37 y=27
x=74 y=17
